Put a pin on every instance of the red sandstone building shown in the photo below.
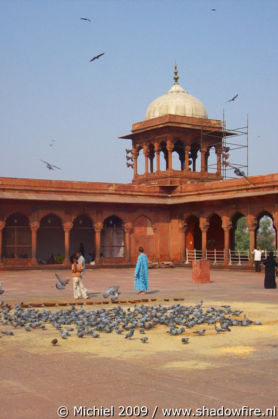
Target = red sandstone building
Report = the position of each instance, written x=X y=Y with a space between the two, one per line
x=175 y=213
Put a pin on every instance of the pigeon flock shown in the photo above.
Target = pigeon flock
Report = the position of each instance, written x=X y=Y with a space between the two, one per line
x=177 y=318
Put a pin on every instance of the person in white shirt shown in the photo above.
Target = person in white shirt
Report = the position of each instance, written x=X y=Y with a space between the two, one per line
x=81 y=262
x=258 y=258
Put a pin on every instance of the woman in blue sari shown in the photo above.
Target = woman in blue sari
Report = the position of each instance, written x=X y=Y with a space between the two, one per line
x=141 y=273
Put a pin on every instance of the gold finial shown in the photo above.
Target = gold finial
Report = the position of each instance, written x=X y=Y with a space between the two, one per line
x=176 y=77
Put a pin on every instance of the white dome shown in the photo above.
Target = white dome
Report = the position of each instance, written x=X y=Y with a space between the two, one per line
x=176 y=102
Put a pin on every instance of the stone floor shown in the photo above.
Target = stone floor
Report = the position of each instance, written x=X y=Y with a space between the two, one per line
x=232 y=370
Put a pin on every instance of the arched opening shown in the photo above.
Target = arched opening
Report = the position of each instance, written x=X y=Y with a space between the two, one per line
x=211 y=160
x=140 y=162
x=266 y=233
x=143 y=236
x=50 y=240
x=195 y=156
x=178 y=156
x=193 y=238
x=215 y=233
x=152 y=159
x=17 y=238
x=239 y=240
x=163 y=156
x=82 y=237
x=112 y=238
x=239 y=235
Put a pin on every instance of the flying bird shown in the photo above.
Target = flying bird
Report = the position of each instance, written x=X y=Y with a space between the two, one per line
x=50 y=166
x=62 y=282
x=52 y=143
x=233 y=98
x=96 y=57
x=213 y=10
x=86 y=19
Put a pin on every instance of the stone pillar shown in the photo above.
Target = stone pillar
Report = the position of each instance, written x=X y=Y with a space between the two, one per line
x=146 y=154
x=204 y=226
x=135 y=155
x=170 y=148
x=67 y=228
x=226 y=225
x=187 y=151
x=2 y=226
x=157 y=153
x=98 y=227
x=127 y=229
x=156 y=242
x=203 y=159
x=218 y=152
x=252 y=226
x=183 y=227
x=34 y=228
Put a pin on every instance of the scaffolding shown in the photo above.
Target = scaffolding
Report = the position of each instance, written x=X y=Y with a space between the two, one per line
x=238 y=141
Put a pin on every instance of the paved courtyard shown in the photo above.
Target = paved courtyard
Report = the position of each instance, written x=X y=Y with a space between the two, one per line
x=232 y=369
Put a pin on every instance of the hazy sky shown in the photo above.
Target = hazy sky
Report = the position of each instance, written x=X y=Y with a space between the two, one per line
x=50 y=91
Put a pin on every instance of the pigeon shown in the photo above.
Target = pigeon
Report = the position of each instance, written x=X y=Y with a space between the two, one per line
x=144 y=339
x=54 y=341
x=185 y=340
x=129 y=334
x=86 y=19
x=200 y=332
x=7 y=332
x=60 y=287
x=1 y=290
x=233 y=98
x=114 y=291
x=96 y=57
x=62 y=282
x=50 y=166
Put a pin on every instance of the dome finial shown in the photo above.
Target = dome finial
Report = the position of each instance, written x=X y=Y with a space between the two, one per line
x=176 y=77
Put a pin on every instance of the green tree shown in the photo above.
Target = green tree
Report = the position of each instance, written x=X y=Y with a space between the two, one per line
x=266 y=234
x=241 y=235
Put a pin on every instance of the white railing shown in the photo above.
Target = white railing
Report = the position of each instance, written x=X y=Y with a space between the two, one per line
x=236 y=257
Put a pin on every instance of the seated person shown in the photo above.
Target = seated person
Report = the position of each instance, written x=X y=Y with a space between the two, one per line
x=59 y=258
x=89 y=258
x=51 y=260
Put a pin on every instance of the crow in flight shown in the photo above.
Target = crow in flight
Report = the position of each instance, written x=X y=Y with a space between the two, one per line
x=233 y=98
x=50 y=166
x=96 y=57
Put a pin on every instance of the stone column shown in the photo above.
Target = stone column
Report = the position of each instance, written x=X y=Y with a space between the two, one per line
x=98 y=227
x=156 y=242
x=170 y=148
x=127 y=228
x=252 y=226
x=2 y=226
x=146 y=154
x=157 y=153
x=226 y=225
x=67 y=228
x=187 y=151
x=34 y=228
x=182 y=228
x=203 y=159
x=218 y=152
x=135 y=155
x=204 y=226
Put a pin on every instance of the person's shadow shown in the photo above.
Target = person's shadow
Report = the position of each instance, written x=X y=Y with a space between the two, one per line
x=93 y=294
x=152 y=292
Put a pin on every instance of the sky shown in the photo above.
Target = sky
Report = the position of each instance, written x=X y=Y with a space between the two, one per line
x=51 y=94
